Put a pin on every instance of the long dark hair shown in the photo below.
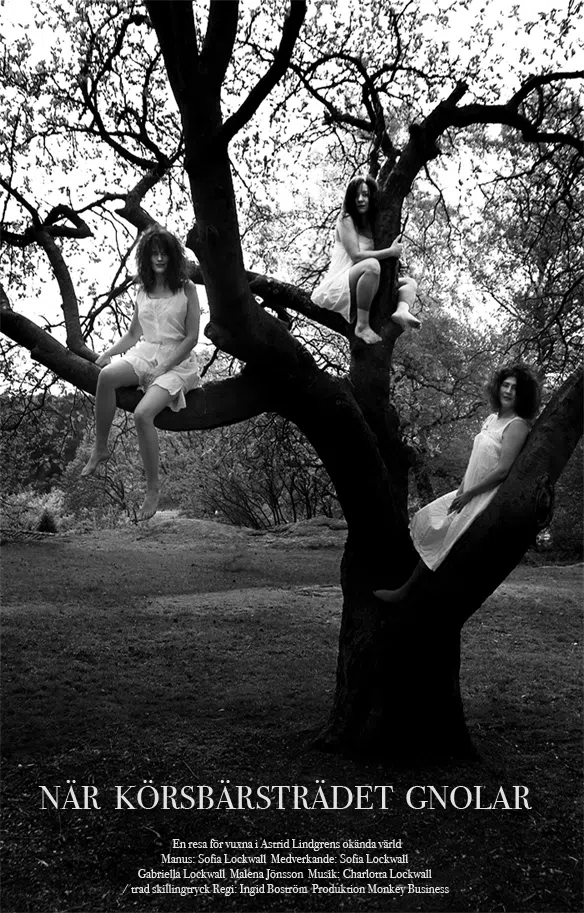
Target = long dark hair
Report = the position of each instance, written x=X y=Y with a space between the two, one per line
x=350 y=201
x=158 y=238
x=528 y=395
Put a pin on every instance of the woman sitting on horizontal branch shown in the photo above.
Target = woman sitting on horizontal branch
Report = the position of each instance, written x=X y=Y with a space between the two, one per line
x=514 y=393
x=163 y=364
x=352 y=280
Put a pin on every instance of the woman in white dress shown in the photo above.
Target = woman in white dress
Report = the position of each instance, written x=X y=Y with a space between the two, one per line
x=352 y=279
x=164 y=365
x=515 y=394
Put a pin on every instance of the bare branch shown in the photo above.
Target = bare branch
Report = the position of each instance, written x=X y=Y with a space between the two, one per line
x=507 y=115
x=16 y=240
x=22 y=200
x=104 y=198
x=81 y=229
x=543 y=79
x=105 y=134
x=69 y=302
x=261 y=90
x=333 y=115
x=133 y=19
x=132 y=210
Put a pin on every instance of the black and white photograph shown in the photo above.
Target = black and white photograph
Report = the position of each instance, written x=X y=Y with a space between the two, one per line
x=291 y=500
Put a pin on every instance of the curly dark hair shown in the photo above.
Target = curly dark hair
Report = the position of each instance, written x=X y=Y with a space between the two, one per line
x=528 y=396
x=157 y=238
x=350 y=201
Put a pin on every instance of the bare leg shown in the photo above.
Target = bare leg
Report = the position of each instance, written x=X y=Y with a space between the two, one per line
x=154 y=401
x=407 y=288
x=396 y=597
x=363 y=283
x=110 y=378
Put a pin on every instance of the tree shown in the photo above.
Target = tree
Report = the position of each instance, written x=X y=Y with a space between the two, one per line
x=397 y=686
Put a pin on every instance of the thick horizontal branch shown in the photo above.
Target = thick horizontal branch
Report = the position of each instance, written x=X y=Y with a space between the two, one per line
x=16 y=240
x=507 y=115
x=213 y=405
x=282 y=296
x=47 y=351
x=219 y=403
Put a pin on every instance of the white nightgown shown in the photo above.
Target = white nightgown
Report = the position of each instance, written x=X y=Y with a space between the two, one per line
x=163 y=323
x=433 y=530
x=333 y=292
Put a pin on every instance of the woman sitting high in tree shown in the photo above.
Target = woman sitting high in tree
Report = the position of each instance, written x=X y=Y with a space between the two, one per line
x=514 y=393
x=352 y=280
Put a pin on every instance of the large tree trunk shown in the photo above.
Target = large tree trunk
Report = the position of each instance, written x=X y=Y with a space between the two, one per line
x=398 y=692
x=398 y=683
x=398 y=675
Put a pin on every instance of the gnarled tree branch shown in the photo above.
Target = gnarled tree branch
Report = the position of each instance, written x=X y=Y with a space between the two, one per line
x=215 y=404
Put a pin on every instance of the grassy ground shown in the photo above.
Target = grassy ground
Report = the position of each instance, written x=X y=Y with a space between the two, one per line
x=192 y=653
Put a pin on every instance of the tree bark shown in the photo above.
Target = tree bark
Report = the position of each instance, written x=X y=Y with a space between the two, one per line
x=398 y=688
x=398 y=691
x=213 y=405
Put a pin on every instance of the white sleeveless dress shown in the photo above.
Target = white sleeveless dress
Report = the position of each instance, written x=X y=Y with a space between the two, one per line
x=333 y=292
x=433 y=530
x=163 y=323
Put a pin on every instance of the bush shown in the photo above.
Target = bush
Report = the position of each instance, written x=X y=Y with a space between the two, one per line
x=47 y=523
x=30 y=510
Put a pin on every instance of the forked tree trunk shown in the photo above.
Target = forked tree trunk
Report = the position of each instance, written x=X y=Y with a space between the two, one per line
x=398 y=684
x=398 y=692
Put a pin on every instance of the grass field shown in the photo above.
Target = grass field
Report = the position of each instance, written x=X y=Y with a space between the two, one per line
x=190 y=653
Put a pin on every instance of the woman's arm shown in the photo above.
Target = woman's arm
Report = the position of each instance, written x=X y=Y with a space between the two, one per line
x=514 y=437
x=192 y=321
x=125 y=342
x=350 y=241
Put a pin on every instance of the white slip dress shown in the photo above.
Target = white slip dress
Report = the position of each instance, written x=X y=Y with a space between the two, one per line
x=163 y=323
x=433 y=530
x=333 y=292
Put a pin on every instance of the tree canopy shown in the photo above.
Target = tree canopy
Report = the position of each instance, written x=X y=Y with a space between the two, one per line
x=237 y=125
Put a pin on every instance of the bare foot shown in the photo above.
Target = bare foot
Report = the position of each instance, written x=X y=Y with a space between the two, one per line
x=367 y=335
x=97 y=457
x=149 y=507
x=406 y=320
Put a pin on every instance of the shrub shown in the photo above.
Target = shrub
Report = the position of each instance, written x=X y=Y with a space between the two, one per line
x=47 y=523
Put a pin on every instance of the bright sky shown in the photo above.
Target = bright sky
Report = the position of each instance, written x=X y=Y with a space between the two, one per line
x=17 y=17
